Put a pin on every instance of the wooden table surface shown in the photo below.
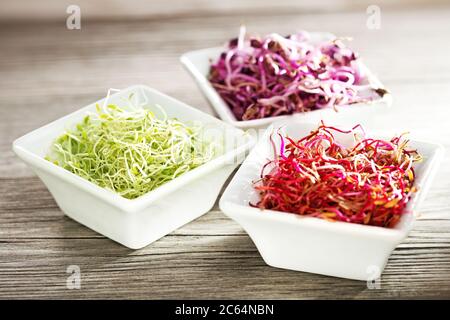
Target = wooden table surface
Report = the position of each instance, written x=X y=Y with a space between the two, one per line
x=48 y=71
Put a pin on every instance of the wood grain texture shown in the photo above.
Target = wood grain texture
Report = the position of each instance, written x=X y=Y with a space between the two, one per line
x=50 y=10
x=48 y=71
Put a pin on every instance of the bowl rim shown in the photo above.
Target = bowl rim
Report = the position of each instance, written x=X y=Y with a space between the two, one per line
x=236 y=210
x=109 y=196
x=224 y=111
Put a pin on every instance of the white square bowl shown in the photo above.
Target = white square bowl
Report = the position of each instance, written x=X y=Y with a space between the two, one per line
x=294 y=242
x=198 y=63
x=138 y=222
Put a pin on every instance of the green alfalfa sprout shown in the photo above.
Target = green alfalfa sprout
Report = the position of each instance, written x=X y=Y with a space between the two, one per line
x=131 y=152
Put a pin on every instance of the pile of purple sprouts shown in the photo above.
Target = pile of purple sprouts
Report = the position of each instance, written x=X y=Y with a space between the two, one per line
x=275 y=75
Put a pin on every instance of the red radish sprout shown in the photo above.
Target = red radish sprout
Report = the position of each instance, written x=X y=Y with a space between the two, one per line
x=368 y=183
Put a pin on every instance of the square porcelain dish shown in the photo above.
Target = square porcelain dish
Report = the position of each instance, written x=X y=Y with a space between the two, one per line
x=339 y=249
x=138 y=222
x=198 y=64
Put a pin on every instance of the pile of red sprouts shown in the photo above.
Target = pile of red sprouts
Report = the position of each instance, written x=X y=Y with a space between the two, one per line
x=276 y=75
x=368 y=183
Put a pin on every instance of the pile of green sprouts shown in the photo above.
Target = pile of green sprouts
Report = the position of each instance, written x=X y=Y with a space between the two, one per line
x=131 y=152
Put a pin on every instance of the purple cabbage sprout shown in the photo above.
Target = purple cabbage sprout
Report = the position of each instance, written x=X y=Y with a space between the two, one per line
x=275 y=75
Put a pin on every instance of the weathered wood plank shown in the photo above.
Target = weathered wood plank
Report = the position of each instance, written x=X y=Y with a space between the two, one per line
x=47 y=10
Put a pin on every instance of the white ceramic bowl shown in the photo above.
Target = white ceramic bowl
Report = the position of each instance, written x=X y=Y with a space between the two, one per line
x=308 y=244
x=198 y=64
x=138 y=222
